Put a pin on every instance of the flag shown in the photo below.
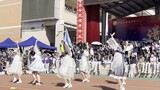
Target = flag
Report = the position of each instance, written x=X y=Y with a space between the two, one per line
x=67 y=39
x=112 y=43
x=68 y=44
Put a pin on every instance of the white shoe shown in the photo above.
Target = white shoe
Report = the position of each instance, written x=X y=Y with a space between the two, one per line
x=14 y=80
x=84 y=80
x=69 y=86
x=19 y=82
x=87 y=80
x=124 y=83
x=38 y=83
x=122 y=88
x=66 y=85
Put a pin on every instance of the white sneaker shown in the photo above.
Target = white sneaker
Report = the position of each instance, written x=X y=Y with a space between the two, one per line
x=14 y=80
x=122 y=88
x=19 y=82
x=87 y=80
x=124 y=83
x=38 y=83
x=69 y=86
x=66 y=85
x=84 y=80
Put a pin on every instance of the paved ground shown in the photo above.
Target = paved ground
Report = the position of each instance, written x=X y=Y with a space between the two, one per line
x=52 y=82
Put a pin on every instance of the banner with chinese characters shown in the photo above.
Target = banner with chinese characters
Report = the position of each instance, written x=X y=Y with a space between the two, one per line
x=136 y=28
x=81 y=22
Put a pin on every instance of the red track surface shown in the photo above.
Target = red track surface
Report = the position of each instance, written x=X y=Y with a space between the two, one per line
x=52 y=82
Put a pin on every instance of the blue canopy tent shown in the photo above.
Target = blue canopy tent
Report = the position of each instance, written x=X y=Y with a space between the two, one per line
x=8 y=43
x=31 y=42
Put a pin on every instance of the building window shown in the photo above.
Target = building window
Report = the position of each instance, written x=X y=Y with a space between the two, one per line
x=70 y=9
x=75 y=10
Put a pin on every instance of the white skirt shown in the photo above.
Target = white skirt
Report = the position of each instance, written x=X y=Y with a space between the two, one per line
x=37 y=65
x=16 y=66
x=84 y=65
x=67 y=67
x=118 y=66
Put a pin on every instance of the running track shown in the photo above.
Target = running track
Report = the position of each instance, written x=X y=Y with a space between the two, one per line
x=52 y=82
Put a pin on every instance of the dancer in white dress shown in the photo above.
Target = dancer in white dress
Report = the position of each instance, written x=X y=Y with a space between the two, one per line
x=118 y=64
x=84 y=65
x=37 y=66
x=67 y=67
x=16 y=66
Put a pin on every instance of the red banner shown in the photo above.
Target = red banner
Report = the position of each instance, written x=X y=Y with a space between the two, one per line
x=81 y=21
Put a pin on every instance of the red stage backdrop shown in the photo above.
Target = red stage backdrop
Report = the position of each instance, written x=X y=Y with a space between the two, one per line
x=137 y=28
x=93 y=19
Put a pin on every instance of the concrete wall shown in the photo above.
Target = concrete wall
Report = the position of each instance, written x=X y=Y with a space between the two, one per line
x=70 y=17
x=37 y=33
x=54 y=27
x=36 y=9
x=10 y=19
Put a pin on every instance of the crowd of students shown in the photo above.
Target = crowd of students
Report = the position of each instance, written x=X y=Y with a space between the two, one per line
x=140 y=60
x=143 y=60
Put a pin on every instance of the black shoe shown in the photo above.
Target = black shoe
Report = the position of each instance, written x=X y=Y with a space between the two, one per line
x=34 y=83
x=31 y=82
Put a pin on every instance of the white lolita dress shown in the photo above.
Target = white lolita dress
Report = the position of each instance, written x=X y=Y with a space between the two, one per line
x=37 y=64
x=16 y=66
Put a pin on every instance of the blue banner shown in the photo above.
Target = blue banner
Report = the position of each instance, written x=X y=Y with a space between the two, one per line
x=136 y=29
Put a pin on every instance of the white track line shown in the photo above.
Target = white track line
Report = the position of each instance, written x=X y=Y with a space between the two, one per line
x=21 y=88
